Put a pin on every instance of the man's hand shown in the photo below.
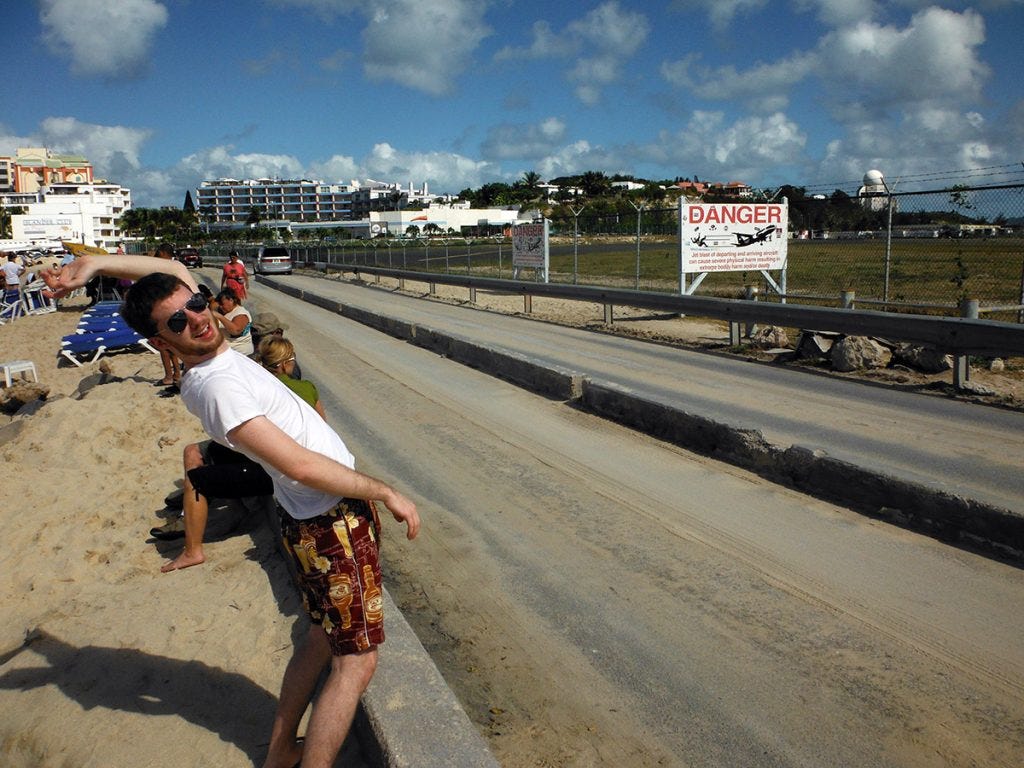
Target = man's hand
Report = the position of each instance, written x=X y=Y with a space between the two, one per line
x=63 y=280
x=404 y=511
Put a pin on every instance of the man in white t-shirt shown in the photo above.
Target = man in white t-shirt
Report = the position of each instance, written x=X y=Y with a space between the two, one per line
x=12 y=273
x=331 y=525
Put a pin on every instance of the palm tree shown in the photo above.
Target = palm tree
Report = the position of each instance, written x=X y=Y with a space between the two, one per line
x=531 y=180
x=594 y=183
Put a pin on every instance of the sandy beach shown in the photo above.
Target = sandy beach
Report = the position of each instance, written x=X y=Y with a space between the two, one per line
x=105 y=661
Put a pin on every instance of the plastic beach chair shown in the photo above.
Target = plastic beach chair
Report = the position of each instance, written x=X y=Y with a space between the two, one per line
x=11 y=307
x=82 y=348
x=34 y=301
x=18 y=366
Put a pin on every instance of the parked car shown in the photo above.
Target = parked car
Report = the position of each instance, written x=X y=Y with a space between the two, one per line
x=273 y=260
x=190 y=257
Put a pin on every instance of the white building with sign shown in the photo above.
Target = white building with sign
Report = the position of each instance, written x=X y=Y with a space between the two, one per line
x=83 y=213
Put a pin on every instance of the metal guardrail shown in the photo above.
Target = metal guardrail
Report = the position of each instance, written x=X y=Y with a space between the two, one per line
x=953 y=335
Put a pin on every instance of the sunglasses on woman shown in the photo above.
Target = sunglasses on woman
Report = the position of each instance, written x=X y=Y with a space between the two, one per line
x=176 y=323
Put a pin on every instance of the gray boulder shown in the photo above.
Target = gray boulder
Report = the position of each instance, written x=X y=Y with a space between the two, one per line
x=922 y=358
x=852 y=353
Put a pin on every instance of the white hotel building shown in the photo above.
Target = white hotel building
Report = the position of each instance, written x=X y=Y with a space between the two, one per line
x=88 y=213
x=367 y=209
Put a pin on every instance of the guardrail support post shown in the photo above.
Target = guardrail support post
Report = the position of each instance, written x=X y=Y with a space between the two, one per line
x=962 y=363
x=847 y=299
x=750 y=294
x=609 y=312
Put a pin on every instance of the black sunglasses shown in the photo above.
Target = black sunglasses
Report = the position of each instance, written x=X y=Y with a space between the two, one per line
x=176 y=323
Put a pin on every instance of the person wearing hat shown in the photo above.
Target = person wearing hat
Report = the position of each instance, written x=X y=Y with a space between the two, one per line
x=235 y=277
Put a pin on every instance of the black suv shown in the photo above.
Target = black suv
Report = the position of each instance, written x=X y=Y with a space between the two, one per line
x=190 y=257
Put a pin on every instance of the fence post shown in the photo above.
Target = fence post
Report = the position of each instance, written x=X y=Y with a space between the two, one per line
x=962 y=363
x=888 y=251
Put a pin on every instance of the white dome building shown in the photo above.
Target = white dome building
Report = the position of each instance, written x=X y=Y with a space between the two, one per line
x=874 y=194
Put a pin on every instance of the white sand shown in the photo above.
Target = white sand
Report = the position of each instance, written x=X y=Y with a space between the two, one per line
x=104 y=661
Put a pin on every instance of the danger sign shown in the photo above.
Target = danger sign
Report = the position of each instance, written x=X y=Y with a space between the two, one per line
x=732 y=237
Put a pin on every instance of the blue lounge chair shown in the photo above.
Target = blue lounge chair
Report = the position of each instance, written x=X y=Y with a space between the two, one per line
x=89 y=347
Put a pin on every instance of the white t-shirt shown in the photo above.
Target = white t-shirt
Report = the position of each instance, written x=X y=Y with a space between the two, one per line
x=230 y=389
x=12 y=274
x=242 y=343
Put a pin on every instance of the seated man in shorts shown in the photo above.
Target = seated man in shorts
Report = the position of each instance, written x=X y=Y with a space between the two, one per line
x=211 y=472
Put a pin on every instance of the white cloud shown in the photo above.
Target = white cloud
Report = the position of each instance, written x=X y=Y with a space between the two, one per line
x=580 y=157
x=740 y=150
x=545 y=45
x=443 y=170
x=102 y=38
x=610 y=35
x=105 y=146
x=523 y=141
x=934 y=59
x=424 y=46
x=604 y=39
x=764 y=87
x=219 y=162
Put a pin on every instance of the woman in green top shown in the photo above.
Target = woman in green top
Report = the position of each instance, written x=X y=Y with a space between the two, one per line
x=277 y=355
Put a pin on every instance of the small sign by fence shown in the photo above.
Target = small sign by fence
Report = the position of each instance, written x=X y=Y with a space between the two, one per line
x=530 y=248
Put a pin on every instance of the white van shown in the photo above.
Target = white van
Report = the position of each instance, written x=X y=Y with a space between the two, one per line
x=273 y=260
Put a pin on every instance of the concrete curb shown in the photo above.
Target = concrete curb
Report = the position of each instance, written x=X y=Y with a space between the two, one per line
x=945 y=516
x=413 y=716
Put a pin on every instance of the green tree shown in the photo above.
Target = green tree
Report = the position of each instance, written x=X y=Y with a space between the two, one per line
x=256 y=215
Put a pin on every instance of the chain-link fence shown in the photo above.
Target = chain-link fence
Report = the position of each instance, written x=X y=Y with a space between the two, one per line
x=908 y=251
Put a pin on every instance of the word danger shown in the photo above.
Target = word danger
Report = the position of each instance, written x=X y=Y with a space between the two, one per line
x=734 y=214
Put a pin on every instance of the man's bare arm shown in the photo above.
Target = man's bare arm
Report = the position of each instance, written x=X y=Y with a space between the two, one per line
x=85 y=268
x=264 y=439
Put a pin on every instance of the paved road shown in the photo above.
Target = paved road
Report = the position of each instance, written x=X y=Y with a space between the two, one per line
x=960 y=448
x=596 y=597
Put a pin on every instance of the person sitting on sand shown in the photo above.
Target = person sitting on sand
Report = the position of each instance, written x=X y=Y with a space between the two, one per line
x=235 y=320
x=213 y=471
x=330 y=521
x=277 y=355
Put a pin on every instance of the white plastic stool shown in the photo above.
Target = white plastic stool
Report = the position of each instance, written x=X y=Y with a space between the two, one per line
x=18 y=366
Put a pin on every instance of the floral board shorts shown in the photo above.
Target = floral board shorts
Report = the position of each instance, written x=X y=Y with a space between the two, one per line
x=335 y=555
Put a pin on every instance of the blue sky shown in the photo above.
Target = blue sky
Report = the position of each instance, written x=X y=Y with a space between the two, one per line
x=161 y=94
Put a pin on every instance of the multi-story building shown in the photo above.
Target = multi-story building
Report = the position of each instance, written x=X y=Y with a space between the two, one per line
x=32 y=169
x=87 y=213
x=229 y=201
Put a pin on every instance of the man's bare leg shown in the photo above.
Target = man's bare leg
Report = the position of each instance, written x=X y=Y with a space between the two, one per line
x=196 y=510
x=300 y=678
x=336 y=706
